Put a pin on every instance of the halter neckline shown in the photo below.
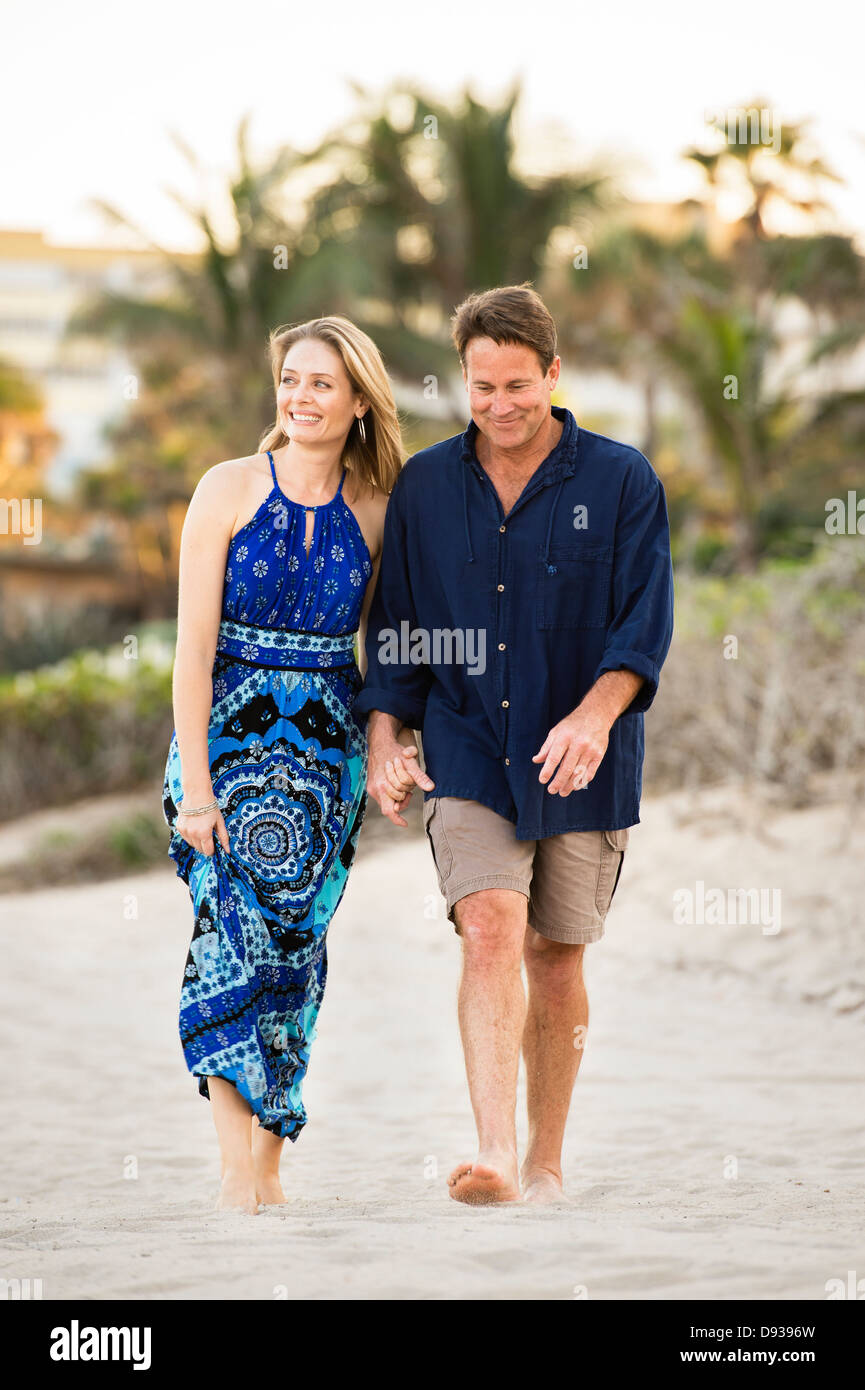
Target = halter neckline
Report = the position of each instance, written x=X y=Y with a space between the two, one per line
x=305 y=506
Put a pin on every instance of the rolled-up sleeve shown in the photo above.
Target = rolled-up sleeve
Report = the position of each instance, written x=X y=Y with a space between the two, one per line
x=641 y=629
x=397 y=688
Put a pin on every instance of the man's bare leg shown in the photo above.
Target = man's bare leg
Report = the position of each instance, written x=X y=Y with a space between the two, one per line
x=492 y=1010
x=556 y=1020
x=232 y=1116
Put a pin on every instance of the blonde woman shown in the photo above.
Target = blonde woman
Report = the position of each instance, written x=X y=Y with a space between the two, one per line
x=265 y=783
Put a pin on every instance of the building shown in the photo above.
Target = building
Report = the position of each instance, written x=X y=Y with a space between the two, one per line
x=84 y=382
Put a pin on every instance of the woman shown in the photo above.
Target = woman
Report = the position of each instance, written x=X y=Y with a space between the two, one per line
x=265 y=783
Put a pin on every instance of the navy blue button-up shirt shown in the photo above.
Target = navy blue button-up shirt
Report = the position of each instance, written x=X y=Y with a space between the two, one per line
x=485 y=629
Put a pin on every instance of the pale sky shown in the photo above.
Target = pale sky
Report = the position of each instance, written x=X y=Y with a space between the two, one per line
x=89 y=91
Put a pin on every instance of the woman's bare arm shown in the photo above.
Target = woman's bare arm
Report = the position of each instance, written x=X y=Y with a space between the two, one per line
x=203 y=554
x=373 y=523
x=364 y=615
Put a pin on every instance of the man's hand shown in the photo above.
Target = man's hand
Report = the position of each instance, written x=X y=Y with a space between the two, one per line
x=576 y=746
x=393 y=770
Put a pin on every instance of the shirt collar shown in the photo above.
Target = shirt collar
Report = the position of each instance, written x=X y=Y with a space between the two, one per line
x=559 y=463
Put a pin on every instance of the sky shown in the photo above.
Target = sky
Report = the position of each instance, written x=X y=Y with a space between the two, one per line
x=90 y=92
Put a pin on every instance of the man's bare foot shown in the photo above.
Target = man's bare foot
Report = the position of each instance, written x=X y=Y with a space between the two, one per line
x=268 y=1190
x=491 y=1178
x=237 y=1193
x=542 y=1185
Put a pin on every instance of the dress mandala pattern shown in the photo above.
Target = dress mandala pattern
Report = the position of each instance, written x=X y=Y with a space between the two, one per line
x=288 y=764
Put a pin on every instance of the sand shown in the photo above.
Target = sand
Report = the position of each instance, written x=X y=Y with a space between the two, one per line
x=714 y=1146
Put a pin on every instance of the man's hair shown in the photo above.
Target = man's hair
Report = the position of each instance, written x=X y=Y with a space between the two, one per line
x=511 y=314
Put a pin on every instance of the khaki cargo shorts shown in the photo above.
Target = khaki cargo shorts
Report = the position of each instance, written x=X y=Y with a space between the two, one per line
x=569 y=879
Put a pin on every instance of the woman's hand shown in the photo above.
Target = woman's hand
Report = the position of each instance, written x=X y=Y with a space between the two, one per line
x=393 y=769
x=198 y=831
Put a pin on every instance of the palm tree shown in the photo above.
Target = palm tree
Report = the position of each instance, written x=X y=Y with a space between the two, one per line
x=669 y=308
x=624 y=307
x=768 y=176
x=200 y=350
x=205 y=338
x=429 y=206
x=757 y=436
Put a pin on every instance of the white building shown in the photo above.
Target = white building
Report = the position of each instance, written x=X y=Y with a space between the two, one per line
x=81 y=379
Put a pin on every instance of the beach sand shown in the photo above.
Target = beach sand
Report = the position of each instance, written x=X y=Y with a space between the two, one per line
x=714 y=1146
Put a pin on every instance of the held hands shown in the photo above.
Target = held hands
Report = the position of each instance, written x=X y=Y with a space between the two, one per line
x=576 y=746
x=394 y=772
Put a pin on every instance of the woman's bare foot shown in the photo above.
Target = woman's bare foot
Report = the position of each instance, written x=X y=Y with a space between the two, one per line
x=237 y=1192
x=268 y=1190
x=491 y=1178
x=542 y=1185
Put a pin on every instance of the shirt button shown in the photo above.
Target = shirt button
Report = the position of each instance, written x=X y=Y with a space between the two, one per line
x=505 y=704
x=500 y=588
x=503 y=529
x=507 y=762
x=501 y=646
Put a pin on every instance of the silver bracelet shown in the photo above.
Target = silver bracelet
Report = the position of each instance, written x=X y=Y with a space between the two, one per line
x=198 y=810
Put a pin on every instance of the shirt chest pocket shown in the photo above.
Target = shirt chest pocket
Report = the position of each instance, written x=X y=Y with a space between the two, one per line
x=573 y=586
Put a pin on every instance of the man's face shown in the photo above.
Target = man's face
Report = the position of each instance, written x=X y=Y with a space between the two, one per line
x=509 y=395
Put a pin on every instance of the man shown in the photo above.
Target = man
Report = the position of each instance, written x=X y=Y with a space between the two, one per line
x=541 y=550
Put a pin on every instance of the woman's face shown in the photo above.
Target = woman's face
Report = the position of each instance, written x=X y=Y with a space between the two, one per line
x=315 y=401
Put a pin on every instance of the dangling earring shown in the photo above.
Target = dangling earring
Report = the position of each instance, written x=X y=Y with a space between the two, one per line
x=362 y=427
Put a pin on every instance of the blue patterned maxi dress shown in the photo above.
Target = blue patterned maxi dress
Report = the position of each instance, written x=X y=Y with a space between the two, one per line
x=288 y=764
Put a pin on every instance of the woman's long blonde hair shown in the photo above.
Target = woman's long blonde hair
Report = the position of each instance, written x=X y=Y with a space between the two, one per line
x=378 y=459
